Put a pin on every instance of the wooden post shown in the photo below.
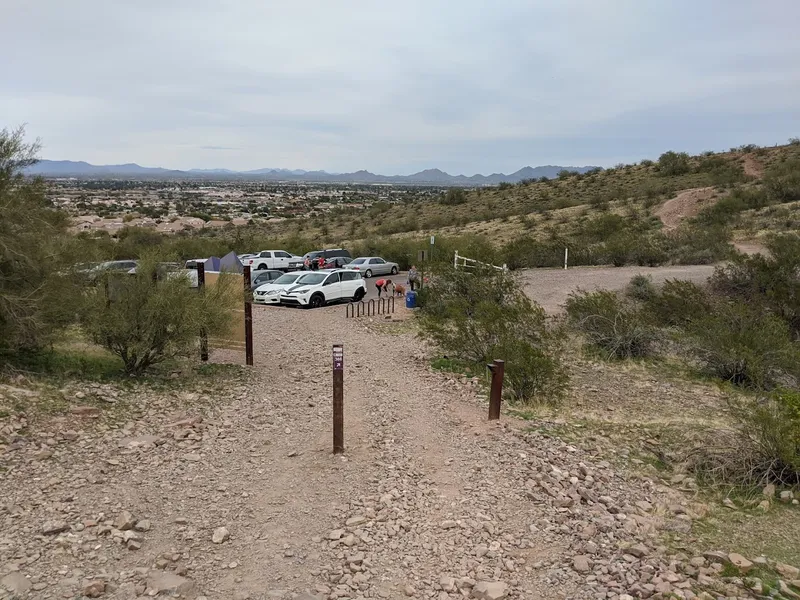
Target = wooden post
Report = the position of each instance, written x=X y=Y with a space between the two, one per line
x=497 y=368
x=248 y=318
x=338 y=399
x=201 y=288
x=566 y=256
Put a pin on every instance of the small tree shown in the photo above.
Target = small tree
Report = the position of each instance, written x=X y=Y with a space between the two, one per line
x=38 y=293
x=150 y=317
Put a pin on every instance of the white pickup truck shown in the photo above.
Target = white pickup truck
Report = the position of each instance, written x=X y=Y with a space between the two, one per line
x=274 y=259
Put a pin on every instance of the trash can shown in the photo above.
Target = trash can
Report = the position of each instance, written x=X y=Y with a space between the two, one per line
x=411 y=299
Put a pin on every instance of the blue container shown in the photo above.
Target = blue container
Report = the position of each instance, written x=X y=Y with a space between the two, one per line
x=411 y=299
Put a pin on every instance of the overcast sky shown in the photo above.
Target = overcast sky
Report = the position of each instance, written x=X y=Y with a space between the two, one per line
x=396 y=87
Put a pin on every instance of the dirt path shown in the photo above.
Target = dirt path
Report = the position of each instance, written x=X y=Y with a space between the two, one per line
x=429 y=501
x=552 y=287
x=687 y=204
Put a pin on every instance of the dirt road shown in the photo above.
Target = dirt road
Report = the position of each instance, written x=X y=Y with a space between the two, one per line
x=551 y=287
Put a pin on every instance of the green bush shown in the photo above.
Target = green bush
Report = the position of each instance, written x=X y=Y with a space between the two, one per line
x=531 y=373
x=763 y=448
x=677 y=303
x=146 y=318
x=673 y=163
x=641 y=287
x=619 y=329
x=741 y=344
x=771 y=281
x=479 y=315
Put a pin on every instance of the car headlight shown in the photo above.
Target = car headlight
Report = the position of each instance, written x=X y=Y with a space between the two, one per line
x=271 y=292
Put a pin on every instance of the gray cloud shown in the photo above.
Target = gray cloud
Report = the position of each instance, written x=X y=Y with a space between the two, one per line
x=464 y=86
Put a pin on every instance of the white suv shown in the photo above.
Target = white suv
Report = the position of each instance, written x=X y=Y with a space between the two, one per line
x=321 y=287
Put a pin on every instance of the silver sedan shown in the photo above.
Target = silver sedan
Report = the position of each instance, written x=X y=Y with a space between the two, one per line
x=372 y=265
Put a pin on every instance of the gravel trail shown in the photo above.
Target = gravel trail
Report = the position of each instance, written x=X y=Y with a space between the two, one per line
x=243 y=499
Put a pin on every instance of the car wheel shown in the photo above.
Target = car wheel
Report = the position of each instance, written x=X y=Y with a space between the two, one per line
x=367 y=274
x=317 y=300
x=394 y=270
x=261 y=267
x=359 y=295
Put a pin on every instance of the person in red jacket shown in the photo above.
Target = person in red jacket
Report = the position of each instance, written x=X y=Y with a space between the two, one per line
x=321 y=262
x=383 y=286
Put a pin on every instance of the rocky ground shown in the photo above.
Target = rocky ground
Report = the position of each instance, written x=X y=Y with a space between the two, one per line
x=232 y=492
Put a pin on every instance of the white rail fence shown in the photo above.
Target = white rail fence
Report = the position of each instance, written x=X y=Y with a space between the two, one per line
x=470 y=263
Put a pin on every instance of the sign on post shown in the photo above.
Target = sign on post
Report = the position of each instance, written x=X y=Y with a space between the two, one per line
x=338 y=399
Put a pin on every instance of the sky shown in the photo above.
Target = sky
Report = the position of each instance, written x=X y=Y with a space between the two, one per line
x=465 y=86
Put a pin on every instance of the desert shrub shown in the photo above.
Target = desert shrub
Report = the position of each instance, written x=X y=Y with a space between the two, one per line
x=454 y=197
x=505 y=185
x=782 y=181
x=771 y=281
x=641 y=287
x=147 y=318
x=763 y=447
x=531 y=373
x=618 y=328
x=673 y=163
x=479 y=315
x=743 y=345
x=647 y=162
x=794 y=141
x=620 y=248
x=677 y=303
x=694 y=245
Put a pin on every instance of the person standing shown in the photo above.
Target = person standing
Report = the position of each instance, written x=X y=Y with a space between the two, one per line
x=413 y=278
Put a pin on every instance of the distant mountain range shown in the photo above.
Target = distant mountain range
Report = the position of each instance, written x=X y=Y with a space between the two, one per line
x=68 y=168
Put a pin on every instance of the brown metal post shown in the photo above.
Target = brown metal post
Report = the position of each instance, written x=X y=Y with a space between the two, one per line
x=248 y=318
x=201 y=288
x=498 y=368
x=338 y=399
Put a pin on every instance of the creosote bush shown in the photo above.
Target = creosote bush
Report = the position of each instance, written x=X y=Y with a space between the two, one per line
x=148 y=318
x=478 y=315
x=742 y=344
x=618 y=328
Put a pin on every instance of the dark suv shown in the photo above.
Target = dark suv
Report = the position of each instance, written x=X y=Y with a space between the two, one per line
x=313 y=257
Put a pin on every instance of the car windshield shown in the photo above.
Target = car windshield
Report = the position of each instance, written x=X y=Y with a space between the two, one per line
x=359 y=261
x=312 y=278
x=288 y=278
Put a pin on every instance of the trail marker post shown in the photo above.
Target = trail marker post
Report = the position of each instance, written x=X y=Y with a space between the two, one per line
x=338 y=399
x=498 y=368
x=248 y=318
x=566 y=256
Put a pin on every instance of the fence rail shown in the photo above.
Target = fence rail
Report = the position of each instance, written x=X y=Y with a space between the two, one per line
x=369 y=308
x=471 y=263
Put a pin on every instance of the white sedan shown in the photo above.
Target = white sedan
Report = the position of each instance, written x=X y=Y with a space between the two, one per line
x=372 y=265
x=270 y=293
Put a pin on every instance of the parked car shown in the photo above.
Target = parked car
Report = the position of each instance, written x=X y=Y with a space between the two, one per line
x=270 y=293
x=337 y=262
x=313 y=257
x=274 y=259
x=112 y=266
x=324 y=286
x=258 y=278
x=373 y=265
